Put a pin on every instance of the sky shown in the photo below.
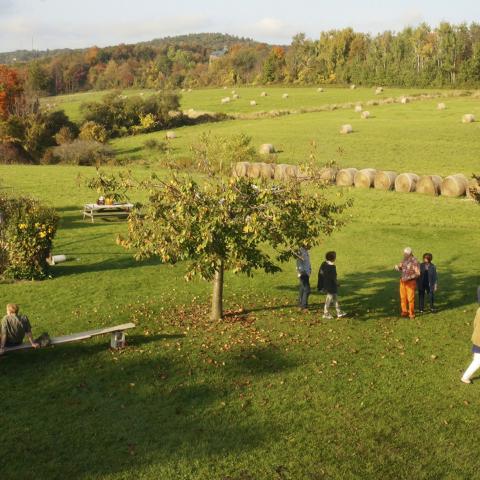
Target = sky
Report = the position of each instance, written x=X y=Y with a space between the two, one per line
x=77 y=24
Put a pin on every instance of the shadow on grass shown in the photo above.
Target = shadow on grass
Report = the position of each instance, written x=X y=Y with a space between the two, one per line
x=121 y=262
x=112 y=413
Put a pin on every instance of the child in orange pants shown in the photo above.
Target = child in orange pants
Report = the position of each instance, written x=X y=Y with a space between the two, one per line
x=410 y=271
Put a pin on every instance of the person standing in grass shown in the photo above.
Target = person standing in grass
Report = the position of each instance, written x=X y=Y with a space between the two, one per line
x=410 y=271
x=327 y=282
x=475 y=365
x=304 y=270
x=427 y=282
x=14 y=328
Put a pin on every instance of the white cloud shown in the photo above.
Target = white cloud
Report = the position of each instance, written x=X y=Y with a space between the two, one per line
x=16 y=32
x=272 y=28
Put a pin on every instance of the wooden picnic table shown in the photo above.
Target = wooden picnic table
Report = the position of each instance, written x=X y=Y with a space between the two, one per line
x=93 y=210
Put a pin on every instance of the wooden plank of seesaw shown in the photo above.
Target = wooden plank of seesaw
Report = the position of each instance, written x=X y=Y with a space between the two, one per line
x=75 y=337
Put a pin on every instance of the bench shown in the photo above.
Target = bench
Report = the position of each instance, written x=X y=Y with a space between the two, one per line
x=117 y=337
x=92 y=210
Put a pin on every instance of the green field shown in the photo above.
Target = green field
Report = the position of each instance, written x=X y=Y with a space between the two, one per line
x=272 y=393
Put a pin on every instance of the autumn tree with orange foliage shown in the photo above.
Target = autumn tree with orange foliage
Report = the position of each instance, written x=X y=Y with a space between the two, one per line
x=11 y=88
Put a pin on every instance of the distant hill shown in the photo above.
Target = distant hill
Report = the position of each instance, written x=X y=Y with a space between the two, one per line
x=210 y=41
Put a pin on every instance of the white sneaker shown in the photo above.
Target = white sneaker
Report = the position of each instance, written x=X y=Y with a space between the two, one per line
x=328 y=316
x=341 y=314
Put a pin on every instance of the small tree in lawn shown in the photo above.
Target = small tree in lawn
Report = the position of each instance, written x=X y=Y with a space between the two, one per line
x=229 y=224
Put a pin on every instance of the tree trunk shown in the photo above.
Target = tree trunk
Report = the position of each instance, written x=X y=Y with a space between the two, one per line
x=217 y=296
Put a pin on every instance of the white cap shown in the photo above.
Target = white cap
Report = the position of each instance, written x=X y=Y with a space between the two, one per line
x=407 y=251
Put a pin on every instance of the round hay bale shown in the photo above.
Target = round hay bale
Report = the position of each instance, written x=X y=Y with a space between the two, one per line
x=264 y=94
x=406 y=182
x=378 y=90
x=253 y=103
x=468 y=118
x=454 y=185
x=254 y=170
x=328 y=174
x=225 y=100
x=320 y=89
x=365 y=178
x=285 y=95
x=353 y=87
x=365 y=115
x=171 y=135
x=404 y=100
x=280 y=172
x=346 y=129
x=234 y=92
x=358 y=109
x=267 y=149
x=385 y=180
x=292 y=171
x=346 y=177
x=429 y=185
x=441 y=106
x=266 y=171
x=235 y=96
x=241 y=169
x=225 y=88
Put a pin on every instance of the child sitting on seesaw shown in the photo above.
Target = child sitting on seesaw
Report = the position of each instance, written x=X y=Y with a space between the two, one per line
x=14 y=328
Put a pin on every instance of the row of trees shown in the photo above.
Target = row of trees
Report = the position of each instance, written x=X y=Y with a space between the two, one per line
x=446 y=56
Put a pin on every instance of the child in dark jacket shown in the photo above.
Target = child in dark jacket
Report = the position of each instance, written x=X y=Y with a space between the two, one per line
x=427 y=282
x=327 y=282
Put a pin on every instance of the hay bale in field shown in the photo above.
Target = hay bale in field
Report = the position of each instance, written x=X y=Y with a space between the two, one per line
x=358 y=109
x=468 y=118
x=253 y=103
x=267 y=149
x=320 y=89
x=264 y=94
x=353 y=86
x=292 y=171
x=241 y=169
x=225 y=100
x=266 y=171
x=365 y=178
x=454 y=185
x=189 y=89
x=385 y=180
x=285 y=96
x=404 y=100
x=328 y=174
x=235 y=96
x=234 y=92
x=254 y=170
x=225 y=88
x=441 y=106
x=346 y=177
x=171 y=135
x=429 y=185
x=406 y=182
x=280 y=171
x=378 y=90
x=365 y=115
x=346 y=129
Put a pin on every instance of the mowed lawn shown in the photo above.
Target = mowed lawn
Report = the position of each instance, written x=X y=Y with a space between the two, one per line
x=270 y=393
x=407 y=138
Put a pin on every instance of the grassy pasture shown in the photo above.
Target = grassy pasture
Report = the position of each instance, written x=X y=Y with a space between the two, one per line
x=210 y=99
x=414 y=137
x=270 y=393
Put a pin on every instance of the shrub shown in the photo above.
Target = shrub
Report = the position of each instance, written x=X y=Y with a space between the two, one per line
x=155 y=145
x=26 y=236
x=93 y=132
x=217 y=153
x=81 y=152
x=64 y=135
